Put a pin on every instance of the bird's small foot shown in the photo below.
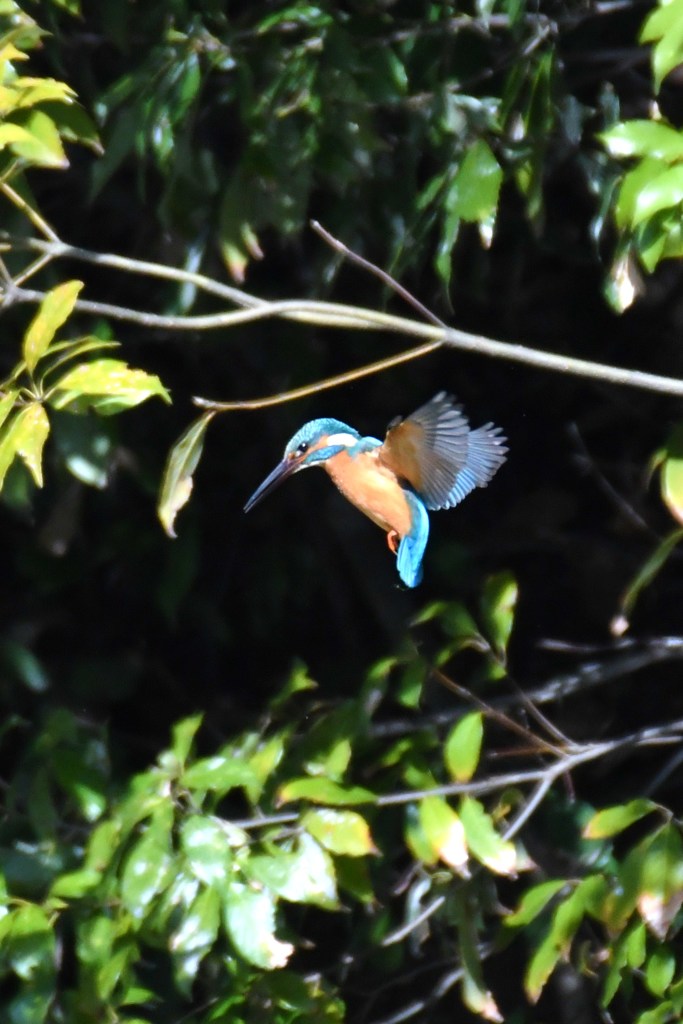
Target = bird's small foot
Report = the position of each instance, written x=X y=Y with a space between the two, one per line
x=393 y=539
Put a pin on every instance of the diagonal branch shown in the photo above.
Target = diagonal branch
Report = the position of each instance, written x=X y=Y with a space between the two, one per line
x=322 y=314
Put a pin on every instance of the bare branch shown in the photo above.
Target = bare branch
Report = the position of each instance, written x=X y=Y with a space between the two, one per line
x=324 y=314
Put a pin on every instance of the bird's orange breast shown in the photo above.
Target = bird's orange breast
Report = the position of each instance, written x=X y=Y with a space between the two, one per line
x=372 y=488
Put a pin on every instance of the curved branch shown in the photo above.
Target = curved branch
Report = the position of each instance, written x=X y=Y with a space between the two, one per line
x=327 y=314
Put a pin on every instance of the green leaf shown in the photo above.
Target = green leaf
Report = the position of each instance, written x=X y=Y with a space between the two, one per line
x=475 y=995
x=106 y=385
x=206 y=847
x=661 y=192
x=75 y=884
x=477 y=185
x=341 y=832
x=660 y=969
x=30 y=944
x=183 y=736
x=81 y=781
x=25 y=435
x=323 y=791
x=7 y=403
x=533 y=902
x=484 y=842
x=661 y=1014
x=43 y=146
x=148 y=868
x=199 y=926
x=463 y=747
x=557 y=943
x=665 y=25
x=304 y=875
x=643 y=578
x=54 y=311
x=498 y=603
x=219 y=774
x=249 y=917
x=615 y=819
x=444 y=831
x=672 y=473
x=176 y=484
x=652 y=139
x=651 y=881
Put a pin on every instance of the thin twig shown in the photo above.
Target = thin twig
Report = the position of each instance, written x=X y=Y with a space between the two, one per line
x=585 y=677
x=324 y=385
x=496 y=714
x=662 y=734
x=28 y=211
x=400 y=933
x=376 y=271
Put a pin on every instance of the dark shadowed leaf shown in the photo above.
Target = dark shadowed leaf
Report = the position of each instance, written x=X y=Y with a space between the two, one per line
x=176 y=484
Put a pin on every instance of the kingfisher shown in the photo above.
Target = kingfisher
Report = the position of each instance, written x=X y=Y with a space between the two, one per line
x=430 y=460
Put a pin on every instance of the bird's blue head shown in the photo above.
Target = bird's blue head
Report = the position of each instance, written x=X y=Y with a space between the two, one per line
x=312 y=445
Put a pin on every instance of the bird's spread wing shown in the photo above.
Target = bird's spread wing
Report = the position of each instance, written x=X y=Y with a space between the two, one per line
x=439 y=455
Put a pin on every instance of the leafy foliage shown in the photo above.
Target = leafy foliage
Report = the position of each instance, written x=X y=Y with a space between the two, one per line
x=299 y=853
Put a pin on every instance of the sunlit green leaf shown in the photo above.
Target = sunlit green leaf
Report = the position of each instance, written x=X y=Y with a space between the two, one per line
x=53 y=312
x=219 y=774
x=463 y=747
x=30 y=944
x=533 y=902
x=106 y=385
x=557 y=942
x=444 y=831
x=615 y=819
x=665 y=25
x=302 y=875
x=483 y=841
x=659 y=970
x=176 y=484
x=644 y=138
x=661 y=192
x=249 y=916
x=183 y=735
x=199 y=926
x=147 y=869
x=341 y=832
x=42 y=146
x=477 y=184
x=323 y=791
x=7 y=403
x=206 y=848
x=75 y=884
x=24 y=436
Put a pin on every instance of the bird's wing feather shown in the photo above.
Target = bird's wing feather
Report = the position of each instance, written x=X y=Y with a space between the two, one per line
x=437 y=453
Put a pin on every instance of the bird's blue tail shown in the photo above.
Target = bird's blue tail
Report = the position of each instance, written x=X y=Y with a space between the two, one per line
x=412 y=548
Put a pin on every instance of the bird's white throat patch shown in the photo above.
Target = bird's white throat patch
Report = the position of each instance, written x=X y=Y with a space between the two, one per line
x=348 y=440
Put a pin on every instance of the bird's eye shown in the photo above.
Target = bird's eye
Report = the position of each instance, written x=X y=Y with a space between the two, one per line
x=303 y=448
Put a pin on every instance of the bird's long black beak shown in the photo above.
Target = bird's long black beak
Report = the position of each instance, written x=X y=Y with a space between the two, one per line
x=283 y=470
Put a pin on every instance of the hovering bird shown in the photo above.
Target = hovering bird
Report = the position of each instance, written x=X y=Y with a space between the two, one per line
x=431 y=460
